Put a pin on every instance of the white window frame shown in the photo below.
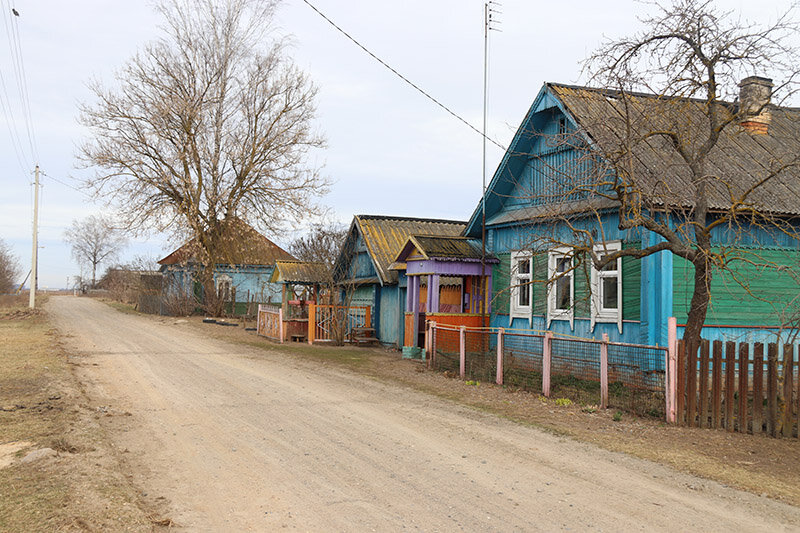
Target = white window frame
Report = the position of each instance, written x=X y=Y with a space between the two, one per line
x=600 y=313
x=519 y=282
x=226 y=282
x=552 y=312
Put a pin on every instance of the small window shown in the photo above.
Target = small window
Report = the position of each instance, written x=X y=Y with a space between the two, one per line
x=561 y=286
x=607 y=287
x=224 y=284
x=562 y=126
x=521 y=269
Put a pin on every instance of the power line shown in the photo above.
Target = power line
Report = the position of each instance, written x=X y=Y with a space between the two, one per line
x=409 y=82
x=86 y=194
x=18 y=64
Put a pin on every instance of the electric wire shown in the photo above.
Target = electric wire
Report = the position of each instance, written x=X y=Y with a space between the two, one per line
x=18 y=64
x=65 y=184
x=409 y=82
x=25 y=94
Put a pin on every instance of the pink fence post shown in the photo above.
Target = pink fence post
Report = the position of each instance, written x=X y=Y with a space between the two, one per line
x=604 y=372
x=500 y=356
x=280 y=324
x=462 y=345
x=547 y=347
x=258 y=321
x=433 y=344
x=671 y=374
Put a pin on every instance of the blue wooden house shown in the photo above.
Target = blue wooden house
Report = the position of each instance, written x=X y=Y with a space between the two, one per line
x=545 y=198
x=242 y=280
x=364 y=267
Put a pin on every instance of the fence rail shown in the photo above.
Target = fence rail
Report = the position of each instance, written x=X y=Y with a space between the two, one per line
x=627 y=375
x=740 y=387
x=270 y=322
x=336 y=322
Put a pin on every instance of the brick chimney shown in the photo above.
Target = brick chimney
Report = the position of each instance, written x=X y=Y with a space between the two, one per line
x=754 y=96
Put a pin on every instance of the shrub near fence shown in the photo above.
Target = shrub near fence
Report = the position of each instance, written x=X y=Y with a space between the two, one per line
x=586 y=370
x=740 y=387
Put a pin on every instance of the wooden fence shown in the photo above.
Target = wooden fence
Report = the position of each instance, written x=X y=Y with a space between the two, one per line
x=327 y=322
x=270 y=322
x=739 y=387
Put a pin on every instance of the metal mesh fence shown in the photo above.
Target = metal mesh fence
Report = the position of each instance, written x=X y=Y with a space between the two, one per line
x=635 y=373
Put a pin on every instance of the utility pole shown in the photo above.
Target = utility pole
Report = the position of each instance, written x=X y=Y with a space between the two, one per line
x=35 y=248
x=489 y=23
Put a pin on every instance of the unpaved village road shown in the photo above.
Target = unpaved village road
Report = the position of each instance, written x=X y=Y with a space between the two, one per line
x=240 y=439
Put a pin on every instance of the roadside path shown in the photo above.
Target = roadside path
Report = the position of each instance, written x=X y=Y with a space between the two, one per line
x=240 y=439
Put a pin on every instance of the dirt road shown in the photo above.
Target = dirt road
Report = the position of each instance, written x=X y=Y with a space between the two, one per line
x=239 y=439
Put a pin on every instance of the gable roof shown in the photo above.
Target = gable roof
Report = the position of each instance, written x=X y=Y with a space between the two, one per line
x=300 y=272
x=602 y=116
x=243 y=246
x=446 y=248
x=384 y=236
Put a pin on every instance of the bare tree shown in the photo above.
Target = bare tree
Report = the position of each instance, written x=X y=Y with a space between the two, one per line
x=9 y=269
x=322 y=244
x=210 y=123
x=94 y=240
x=657 y=148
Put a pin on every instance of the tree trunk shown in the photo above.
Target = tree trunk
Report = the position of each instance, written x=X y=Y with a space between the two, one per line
x=700 y=300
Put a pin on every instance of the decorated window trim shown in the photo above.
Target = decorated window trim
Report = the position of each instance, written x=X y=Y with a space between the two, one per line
x=520 y=285
x=555 y=287
x=599 y=280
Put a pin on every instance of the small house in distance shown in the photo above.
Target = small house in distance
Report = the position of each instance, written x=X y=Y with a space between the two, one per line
x=242 y=280
x=363 y=267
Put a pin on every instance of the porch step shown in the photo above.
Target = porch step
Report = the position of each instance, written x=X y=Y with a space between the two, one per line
x=363 y=336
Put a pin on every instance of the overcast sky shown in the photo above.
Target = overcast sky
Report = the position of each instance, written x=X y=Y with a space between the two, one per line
x=390 y=150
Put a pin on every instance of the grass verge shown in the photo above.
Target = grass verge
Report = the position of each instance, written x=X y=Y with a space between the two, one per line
x=80 y=488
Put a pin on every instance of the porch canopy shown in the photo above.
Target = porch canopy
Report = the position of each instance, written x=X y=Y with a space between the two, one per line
x=445 y=275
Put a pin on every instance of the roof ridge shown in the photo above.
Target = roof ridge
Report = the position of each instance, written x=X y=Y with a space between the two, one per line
x=415 y=219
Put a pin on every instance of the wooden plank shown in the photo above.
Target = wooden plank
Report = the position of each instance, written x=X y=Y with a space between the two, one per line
x=716 y=386
x=681 y=400
x=744 y=372
x=758 y=388
x=703 y=400
x=730 y=382
x=797 y=386
x=772 y=388
x=788 y=378
x=691 y=385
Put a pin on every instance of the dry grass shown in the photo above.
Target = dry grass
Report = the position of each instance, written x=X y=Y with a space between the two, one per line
x=79 y=490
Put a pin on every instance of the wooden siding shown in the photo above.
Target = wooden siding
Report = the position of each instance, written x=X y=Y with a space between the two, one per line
x=501 y=281
x=539 y=292
x=631 y=285
x=761 y=302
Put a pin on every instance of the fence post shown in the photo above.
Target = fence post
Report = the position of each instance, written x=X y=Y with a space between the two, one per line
x=604 y=372
x=433 y=344
x=280 y=324
x=670 y=387
x=500 y=356
x=462 y=346
x=312 y=322
x=547 y=347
